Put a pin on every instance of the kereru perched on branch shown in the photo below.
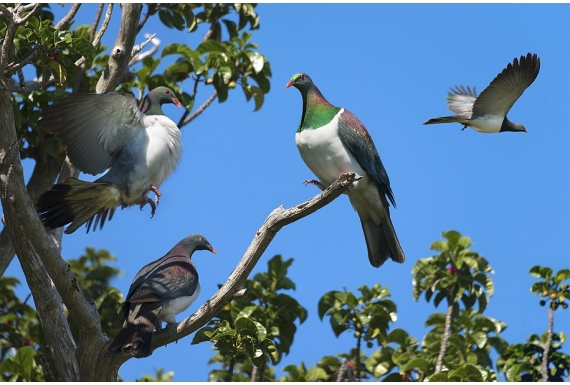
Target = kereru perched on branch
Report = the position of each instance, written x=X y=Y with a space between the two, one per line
x=487 y=112
x=160 y=290
x=140 y=145
x=331 y=141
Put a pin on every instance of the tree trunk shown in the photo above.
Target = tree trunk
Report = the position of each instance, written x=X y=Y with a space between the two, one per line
x=547 y=343
x=230 y=370
x=445 y=339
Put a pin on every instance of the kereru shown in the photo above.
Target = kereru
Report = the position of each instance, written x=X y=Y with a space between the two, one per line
x=160 y=290
x=487 y=112
x=331 y=141
x=140 y=145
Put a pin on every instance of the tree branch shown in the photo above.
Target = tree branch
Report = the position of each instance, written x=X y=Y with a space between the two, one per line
x=67 y=18
x=234 y=286
x=544 y=366
x=200 y=109
x=445 y=338
x=117 y=70
x=96 y=21
x=137 y=56
x=104 y=25
x=21 y=219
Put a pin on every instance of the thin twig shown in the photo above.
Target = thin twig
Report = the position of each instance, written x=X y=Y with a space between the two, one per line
x=67 y=18
x=135 y=53
x=22 y=20
x=145 y=18
x=200 y=109
x=104 y=25
x=96 y=21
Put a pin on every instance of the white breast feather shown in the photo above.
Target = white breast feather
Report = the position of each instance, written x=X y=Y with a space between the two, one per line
x=324 y=153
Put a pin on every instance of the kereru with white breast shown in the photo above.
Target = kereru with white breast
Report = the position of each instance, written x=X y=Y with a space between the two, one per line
x=139 y=145
x=332 y=141
x=160 y=290
x=487 y=112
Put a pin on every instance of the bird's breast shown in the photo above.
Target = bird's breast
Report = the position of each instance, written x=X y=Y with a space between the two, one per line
x=487 y=124
x=177 y=305
x=323 y=152
x=164 y=148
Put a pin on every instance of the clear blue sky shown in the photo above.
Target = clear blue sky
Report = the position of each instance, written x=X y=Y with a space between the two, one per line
x=391 y=65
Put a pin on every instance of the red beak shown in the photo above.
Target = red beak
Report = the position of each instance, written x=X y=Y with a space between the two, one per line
x=176 y=102
x=212 y=249
x=289 y=84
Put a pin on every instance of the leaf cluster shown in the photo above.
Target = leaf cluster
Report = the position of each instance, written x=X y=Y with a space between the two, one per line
x=552 y=288
x=523 y=362
x=456 y=274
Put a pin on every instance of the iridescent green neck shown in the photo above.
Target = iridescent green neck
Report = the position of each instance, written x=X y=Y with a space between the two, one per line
x=317 y=111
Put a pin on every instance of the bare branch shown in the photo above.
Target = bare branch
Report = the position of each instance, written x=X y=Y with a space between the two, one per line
x=26 y=7
x=233 y=287
x=8 y=39
x=36 y=7
x=96 y=21
x=27 y=59
x=104 y=25
x=43 y=175
x=117 y=70
x=137 y=57
x=200 y=109
x=145 y=18
x=67 y=18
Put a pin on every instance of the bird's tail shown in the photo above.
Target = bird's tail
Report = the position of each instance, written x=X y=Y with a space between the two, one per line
x=444 y=119
x=382 y=242
x=135 y=338
x=75 y=201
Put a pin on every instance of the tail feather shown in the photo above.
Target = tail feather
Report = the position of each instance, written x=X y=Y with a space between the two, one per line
x=445 y=119
x=135 y=338
x=382 y=242
x=75 y=201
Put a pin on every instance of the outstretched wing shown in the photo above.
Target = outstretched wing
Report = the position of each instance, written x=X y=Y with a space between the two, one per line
x=460 y=100
x=508 y=86
x=94 y=127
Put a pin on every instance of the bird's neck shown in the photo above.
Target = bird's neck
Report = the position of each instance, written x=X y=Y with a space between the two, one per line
x=317 y=111
x=149 y=107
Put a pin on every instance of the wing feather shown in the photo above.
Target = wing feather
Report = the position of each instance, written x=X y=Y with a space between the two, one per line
x=94 y=127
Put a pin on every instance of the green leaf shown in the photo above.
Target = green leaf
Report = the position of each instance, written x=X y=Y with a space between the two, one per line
x=466 y=373
x=271 y=350
x=24 y=359
x=326 y=302
x=202 y=335
x=246 y=324
x=416 y=363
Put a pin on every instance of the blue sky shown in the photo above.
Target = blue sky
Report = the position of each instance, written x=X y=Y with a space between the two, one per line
x=391 y=65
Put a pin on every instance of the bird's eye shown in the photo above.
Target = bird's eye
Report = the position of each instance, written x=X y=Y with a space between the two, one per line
x=302 y=77
x=202 y=239
x=167 y=92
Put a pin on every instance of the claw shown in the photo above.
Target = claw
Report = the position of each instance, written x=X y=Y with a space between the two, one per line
x=316 y=183
x=149 y=201
x=157 y=193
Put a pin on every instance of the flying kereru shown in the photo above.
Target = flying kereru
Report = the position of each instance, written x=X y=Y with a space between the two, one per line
x=487 y=112
x=140 y=145
x=332 y=141
x=160 y=290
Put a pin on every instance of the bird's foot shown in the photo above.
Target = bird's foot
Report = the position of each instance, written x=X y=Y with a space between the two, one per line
x=149 y=201
x=316 y=183
x=464 y=127
x=157 y=193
